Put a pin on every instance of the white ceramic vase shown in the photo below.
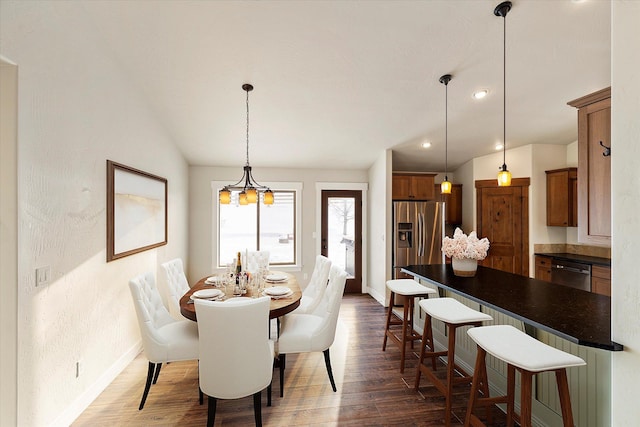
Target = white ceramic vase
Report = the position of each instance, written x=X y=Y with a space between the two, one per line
x=464 y=267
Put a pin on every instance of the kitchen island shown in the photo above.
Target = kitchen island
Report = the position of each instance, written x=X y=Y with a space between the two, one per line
x=572 y=320
x=578 y=316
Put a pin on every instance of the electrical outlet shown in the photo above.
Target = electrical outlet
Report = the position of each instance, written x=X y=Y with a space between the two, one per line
x=305 y=276
x=43 y=275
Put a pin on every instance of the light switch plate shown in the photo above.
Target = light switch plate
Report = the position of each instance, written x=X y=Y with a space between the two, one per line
x=43 y=275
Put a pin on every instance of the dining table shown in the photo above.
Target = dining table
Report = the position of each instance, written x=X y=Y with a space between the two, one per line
x=279 y=305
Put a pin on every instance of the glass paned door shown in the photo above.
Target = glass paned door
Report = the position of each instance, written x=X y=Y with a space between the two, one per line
x=342 y=233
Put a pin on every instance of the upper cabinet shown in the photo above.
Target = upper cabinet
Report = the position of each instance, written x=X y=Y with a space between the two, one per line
x=594 y=167
x=562 y=197
x=413 y=186
x=453 y=203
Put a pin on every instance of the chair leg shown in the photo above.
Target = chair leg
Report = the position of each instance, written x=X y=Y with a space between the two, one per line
x=211 y=414
x=257 y=408
x=269 y=395
x=155 y=377
x=150 y=373
x=327 y=362
x=282 y=358
x=201 y=395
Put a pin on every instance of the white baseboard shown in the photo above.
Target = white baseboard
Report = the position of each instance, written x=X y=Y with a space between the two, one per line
x=83 y=401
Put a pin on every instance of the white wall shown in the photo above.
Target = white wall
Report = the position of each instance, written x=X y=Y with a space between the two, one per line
x=76 y=109
x=380 y=227
x=8 y=241
x=202 y=239
x=625 y=204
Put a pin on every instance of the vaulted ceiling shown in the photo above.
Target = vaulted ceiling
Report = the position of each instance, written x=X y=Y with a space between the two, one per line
x=338 y=82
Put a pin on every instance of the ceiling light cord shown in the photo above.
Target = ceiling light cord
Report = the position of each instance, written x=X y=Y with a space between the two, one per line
x=446 y=130
x=504 y=93
x=248 y=127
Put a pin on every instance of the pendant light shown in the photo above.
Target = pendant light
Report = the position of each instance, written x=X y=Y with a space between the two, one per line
x=504 y=176
x=247 y=186
x=445 y=187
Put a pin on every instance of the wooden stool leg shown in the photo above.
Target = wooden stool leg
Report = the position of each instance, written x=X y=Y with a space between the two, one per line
x=475 y=384
x=451 y=357
x=511 y=391
x=403 y=341
x=427 y=339
x=565 y=399
x=525 y=398
x=411 y=308
x=389 y=313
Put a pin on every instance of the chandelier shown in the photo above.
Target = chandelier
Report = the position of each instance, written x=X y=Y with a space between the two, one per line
x=247 y=186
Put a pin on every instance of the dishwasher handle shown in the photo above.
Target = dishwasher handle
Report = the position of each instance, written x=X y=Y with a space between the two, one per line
x=570 y=269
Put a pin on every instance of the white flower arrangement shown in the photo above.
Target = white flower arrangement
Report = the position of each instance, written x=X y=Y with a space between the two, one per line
x=463 y=246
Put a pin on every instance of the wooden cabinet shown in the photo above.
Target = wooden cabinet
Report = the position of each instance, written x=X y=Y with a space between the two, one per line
x=543 y=268
x=601 y=280
x=562 y=197
x=453 y=203
x=594 y=168
x=413 y=186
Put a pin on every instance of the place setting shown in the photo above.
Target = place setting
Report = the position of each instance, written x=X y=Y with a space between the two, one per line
x=207 y=294
x=277 y=292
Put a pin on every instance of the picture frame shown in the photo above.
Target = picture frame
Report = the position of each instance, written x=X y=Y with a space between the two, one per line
x=136 y=211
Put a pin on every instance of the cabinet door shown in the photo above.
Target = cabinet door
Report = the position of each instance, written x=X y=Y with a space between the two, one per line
x=594 y=169
x=561 y=210
x=543 y=268
x=422 y=187
x=401 y=187
x=601 y=280
x=453 y=203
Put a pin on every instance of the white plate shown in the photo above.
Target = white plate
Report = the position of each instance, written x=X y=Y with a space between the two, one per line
x=277 y=291
x=207 y=293
x=287 y=295
x=213 y=280
x=276 y=277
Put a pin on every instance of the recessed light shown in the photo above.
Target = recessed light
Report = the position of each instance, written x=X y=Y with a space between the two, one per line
x=480 y=94
x=425 y=145
x=499 y=146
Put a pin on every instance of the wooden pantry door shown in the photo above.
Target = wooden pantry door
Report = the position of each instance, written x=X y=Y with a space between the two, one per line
x=503 y=218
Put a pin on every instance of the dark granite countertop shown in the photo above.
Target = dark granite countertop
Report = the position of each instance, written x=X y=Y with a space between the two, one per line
x=578 y=316
x=593 y=260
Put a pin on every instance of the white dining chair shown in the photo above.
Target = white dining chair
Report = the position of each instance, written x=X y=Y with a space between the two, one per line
x=252 y=261
x=175 y=286
x=236 y=354
x=312 y=332
x=312 y=293
x=164 y=339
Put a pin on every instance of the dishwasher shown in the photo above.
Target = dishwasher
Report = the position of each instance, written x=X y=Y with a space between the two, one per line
x=570 y=273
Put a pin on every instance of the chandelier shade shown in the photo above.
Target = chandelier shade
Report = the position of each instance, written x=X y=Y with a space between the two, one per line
x=504 y=176
x=247 y=187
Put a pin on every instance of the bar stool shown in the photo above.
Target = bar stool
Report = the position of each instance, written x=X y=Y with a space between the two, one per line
x=527 y=355
x=454 y=314
x=409 y=289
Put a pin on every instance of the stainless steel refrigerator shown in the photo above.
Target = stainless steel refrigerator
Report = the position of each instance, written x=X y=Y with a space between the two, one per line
x=418 y=229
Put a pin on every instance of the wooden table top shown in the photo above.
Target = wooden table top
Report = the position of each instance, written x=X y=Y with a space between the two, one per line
x=279 y=307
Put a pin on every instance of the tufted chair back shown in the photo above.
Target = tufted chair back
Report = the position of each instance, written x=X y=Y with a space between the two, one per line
x=253 y=260
x=175 y=285
x=312 y=293
x=160 y=332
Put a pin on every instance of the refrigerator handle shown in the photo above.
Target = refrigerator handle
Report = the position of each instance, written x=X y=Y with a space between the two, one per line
x=420 y=234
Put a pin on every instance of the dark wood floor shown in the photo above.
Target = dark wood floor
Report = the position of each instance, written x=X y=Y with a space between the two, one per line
x=371 y=390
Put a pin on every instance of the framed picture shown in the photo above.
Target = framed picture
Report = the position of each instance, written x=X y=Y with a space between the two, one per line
x=136 y=211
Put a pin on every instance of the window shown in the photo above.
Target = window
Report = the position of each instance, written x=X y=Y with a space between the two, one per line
x=253 y=227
